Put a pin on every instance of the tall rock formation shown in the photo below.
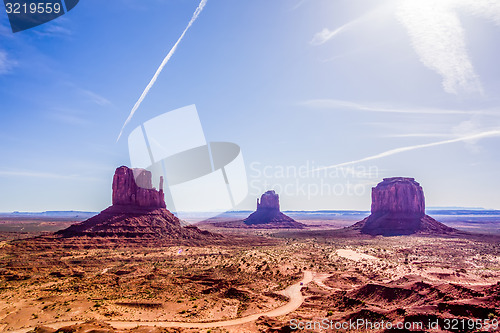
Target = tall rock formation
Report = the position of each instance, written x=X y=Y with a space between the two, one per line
x=133 y=187
x=268 y=214
x=138 y=212
x=270 y=201
x=398 y=208
x=398 y=195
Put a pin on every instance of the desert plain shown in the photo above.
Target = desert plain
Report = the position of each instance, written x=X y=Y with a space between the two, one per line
x=115 y=286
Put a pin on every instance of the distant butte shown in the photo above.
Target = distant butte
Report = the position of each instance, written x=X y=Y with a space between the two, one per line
x=138 y=212
x=268 y=214
x=398 y=208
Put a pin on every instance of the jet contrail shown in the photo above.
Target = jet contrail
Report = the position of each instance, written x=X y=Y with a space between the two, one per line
x=404 y=149
x=163 y=63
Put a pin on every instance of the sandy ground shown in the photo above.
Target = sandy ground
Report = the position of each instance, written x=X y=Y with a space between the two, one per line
x=353 y=255
x=293 y=292
x=235 y=290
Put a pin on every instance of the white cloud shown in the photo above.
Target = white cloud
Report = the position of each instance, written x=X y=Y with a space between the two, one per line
x=5 y=31
x=298 y=4
x=438 y=38
x=419 y=135
x=484 y=8
x=6 y=64
x=96 y=98
x=53 y=30
x=325 y=35
x=68 y=118
x=466 y=128
x=380 y=10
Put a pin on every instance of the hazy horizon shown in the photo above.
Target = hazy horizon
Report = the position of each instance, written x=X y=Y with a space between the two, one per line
x=451 y=209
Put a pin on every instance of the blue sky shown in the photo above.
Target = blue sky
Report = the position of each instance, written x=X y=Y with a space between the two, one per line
x=376 y=88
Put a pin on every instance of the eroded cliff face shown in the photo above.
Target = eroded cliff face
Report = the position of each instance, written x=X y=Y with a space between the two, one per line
x=138 y=212
x=133 y=187
x=269 y=200
x=268 y=214
x=398 y=195
x=398 y=208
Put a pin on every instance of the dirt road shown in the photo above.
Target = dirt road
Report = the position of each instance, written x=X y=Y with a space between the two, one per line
x=292 y=292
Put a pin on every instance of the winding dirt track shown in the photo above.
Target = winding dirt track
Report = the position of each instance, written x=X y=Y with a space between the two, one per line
x=292 y=292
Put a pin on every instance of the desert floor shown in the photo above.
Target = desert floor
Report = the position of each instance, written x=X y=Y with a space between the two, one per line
x=396 y=279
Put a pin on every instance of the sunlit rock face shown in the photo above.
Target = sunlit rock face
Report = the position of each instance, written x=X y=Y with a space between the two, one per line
x=133 y=187
x=269 y=200
x=138 y=212
x=398 y=208
x=268 y=213
x=398 y=195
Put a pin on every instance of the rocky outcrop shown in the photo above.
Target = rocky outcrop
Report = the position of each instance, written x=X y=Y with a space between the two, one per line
x=398 y=195
x=133 y=187
x=268 y=214
x=269 y=200
x=398 y=208
x=131 y=222
x=138 y=211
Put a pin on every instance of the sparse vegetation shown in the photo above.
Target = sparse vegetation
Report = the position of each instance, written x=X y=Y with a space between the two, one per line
x=214 y=283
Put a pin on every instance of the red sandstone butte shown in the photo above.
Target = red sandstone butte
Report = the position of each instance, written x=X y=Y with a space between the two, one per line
x=269 y=200
x=398 y=195
x=268 y=214
x=138 y=211
x=133 y=187
x=398 y=208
